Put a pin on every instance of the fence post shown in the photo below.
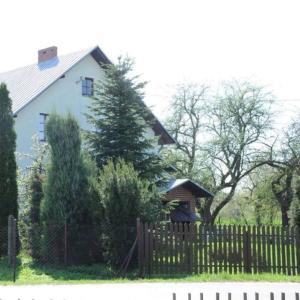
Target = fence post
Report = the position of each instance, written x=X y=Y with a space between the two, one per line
x=140 y=247
x=12 y=244
x=298 y=248
x=9 y=240
x=247 y=251
x=190 y=251
x=65 y=243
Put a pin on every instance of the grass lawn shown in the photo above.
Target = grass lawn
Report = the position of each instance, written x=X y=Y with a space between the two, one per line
x=30 y=273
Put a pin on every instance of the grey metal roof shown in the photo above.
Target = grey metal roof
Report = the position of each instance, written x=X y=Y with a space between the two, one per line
x=195 y=187
x=25 y=84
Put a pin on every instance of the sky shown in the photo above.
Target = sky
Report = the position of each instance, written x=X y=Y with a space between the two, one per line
x=206 y=41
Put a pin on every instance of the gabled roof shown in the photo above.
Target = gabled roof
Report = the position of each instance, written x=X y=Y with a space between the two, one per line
x=27 y=83
x=194 y=187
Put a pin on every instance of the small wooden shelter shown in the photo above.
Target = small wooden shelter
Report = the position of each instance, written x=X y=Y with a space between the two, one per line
x=186 y=192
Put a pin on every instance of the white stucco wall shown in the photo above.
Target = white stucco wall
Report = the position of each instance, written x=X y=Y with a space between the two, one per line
x=63 y=96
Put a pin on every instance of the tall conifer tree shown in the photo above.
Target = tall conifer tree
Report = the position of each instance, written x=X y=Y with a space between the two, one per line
x=69 y=198
x=121 y=122
x=8 y=168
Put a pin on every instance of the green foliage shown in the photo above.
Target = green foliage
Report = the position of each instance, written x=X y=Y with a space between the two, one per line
x=69 y=197
x=121 y=122
x=297 y=217
x=125 y=197
x=30 y=194
x=8 y=168
x=36 y=196
x=295 y=209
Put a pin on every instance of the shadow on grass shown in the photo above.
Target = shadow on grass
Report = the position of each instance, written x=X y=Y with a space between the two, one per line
x=96 y=272
x=29 y=271
x=76 y=273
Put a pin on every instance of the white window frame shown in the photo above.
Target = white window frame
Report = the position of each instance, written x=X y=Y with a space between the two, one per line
x=42 y=126
x=87 y=87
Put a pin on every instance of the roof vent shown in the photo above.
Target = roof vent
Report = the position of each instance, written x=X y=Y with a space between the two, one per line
x=47 y=53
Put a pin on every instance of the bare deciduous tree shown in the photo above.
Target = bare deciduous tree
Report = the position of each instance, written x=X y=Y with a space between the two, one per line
x=234 y=126
x=186 y=125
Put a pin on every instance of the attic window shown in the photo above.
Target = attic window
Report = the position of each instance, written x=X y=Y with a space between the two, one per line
x=87 y=87
x=42 y=126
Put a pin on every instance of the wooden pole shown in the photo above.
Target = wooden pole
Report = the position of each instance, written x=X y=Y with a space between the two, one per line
x=297 y=232
x=65 y=243
x=247 y=251
x=14 y=246
x=9 y=231
x=140 y=247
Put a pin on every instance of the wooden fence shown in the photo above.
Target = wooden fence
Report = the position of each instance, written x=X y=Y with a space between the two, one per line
x=244 y=297
x=194 y=249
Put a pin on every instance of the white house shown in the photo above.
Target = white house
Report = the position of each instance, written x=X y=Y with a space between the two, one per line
x=64 y=84
x=58 y=84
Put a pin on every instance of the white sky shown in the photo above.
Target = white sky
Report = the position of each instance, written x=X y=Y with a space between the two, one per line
x=204 y=41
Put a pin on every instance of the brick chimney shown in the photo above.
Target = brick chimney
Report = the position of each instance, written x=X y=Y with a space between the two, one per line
x=47 y=53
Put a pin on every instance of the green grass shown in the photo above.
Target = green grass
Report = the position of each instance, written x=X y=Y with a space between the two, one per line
x=30 y=273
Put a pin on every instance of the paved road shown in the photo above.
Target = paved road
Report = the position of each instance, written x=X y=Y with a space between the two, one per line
x=147 y=291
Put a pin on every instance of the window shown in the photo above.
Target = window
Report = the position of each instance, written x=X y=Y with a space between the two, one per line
x=42 y=124
x=87 y=87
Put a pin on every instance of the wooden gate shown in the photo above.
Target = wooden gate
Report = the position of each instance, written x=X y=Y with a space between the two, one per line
x=176 y=248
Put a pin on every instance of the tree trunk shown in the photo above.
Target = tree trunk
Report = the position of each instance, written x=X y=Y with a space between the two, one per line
x=204 y=210
x=283 y=192
x=284 y=216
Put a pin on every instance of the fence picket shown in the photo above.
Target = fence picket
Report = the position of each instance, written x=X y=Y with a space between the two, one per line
x=181 y=231
x=283 y=237
x=297 y=232
x=273 y=250
x=151 y=249
x=235 y=252
x=288 y=248
x=259 y=254
x=268 y=238
x=175 y=228
x=225 y=248
x=146 y=238
x=195 y=249
x=215 y=249
x=240 y=248
x=230 y=256
x=293 y=261
x=263 y=247
x=167 y=239
x=254 y=250
x=205 y=243
x=159 y=250
x=200 y=228
x=278 y=243
x=221 y=248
